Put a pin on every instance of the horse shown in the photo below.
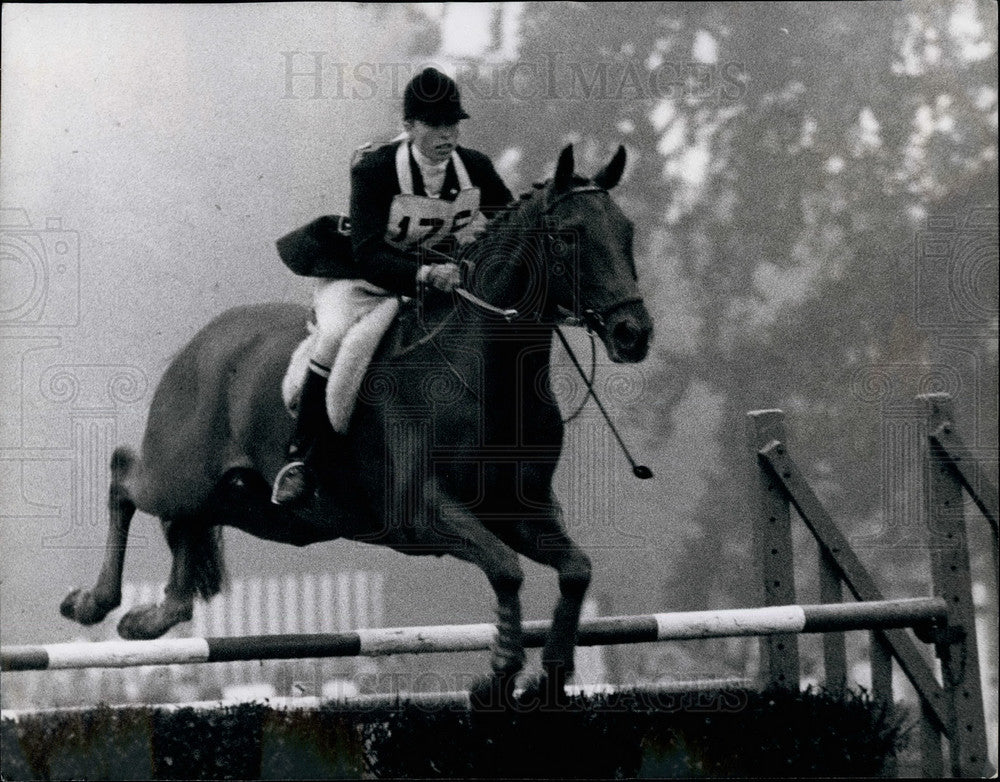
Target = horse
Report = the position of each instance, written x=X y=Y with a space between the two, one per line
x=452 y=444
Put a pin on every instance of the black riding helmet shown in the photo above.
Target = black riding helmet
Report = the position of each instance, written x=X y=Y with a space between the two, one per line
x=433 y=98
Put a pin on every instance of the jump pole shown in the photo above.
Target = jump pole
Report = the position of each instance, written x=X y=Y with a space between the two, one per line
x=771 y=620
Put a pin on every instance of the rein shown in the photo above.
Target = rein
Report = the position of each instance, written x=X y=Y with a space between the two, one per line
x=638 y=470
x=593 y=372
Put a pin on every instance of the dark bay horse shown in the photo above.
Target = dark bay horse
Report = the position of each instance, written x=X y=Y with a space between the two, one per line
x=454 y=440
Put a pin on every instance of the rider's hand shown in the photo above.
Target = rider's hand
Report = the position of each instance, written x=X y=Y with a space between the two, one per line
x=443 y=276
x=473 y=230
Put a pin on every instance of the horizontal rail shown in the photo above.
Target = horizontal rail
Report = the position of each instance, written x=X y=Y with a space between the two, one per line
x=689 y=625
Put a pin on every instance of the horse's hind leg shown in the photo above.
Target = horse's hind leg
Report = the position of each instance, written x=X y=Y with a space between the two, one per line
x=91 y=606
x=196 y=569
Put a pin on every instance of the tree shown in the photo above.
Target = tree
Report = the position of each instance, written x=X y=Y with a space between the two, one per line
x=784 y=160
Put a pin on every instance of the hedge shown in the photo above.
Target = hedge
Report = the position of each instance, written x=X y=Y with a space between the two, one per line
x=739 y=733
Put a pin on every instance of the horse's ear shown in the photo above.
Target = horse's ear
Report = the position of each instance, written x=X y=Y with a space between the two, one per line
x=564 y=169
x=610 y=175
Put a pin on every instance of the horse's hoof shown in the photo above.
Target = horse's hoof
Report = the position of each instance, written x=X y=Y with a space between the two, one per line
x=142 y=624
x=80 y=606
x=492 y=693
x=68 y=606
x=544 y=692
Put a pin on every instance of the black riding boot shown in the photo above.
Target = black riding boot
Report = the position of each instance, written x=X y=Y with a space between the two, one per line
x=293 y=480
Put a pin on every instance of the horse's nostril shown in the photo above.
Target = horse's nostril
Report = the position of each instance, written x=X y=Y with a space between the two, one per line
x=630 y=340
x=625 y=334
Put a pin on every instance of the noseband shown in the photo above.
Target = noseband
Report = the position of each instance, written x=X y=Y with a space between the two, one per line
x=597 y=320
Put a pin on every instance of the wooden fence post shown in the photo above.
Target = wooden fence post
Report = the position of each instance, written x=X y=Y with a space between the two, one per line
x=949 y=555
x=772 y=545
x=931 y=756
x=880 y=659
x=834 y=644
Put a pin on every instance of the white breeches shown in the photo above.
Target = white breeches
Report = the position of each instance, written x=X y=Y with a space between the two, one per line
x=338 y=305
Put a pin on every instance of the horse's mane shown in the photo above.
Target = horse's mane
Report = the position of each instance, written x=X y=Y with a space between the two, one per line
x=519 y=204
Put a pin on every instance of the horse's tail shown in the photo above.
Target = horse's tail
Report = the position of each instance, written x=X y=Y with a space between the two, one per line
x=205 y=563
x=208 y=566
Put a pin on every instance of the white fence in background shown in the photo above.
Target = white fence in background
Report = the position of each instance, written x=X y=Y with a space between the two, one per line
x=292 y=603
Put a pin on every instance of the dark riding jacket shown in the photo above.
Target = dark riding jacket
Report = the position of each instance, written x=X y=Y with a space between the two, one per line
x=334 y=247
x=374 y=184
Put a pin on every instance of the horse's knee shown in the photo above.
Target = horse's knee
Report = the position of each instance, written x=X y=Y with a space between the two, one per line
x=506 y=577
x=574 y=575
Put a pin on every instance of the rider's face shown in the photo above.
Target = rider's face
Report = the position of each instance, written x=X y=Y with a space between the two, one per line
x=435 y=142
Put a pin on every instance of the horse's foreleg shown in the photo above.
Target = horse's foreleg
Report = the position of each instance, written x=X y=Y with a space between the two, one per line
x=91 y=606
x=573 y=567
x=464 y=537
x=545 y=541
x=153 y=620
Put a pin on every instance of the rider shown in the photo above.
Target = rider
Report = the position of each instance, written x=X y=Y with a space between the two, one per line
x=410 y=200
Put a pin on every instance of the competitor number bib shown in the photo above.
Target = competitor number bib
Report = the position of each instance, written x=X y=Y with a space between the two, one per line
x=418 y=220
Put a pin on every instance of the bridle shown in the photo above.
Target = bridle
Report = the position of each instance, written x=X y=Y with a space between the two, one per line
x=592 y=319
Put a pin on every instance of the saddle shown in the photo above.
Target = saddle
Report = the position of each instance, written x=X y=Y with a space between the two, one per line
x=350 y=365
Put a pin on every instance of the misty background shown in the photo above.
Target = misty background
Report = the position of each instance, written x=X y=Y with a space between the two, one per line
x=815 y=199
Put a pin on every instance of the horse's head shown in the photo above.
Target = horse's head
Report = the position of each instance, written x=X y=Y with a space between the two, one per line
x=590 y=268
x=566 y=248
